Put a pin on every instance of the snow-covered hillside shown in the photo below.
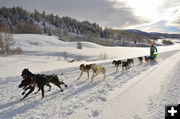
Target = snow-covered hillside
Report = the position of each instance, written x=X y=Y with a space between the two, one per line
x=32 y=40
x=144 y=87
x=46 y=53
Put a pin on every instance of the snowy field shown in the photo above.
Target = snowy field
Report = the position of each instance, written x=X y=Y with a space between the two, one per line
x=140 y=93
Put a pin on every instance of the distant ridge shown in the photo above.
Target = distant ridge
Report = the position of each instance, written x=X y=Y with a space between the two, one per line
x=154 y=34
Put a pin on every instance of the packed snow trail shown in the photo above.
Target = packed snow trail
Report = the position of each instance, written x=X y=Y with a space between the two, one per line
x=81 y=99
x=133 y=101
x=169 y=94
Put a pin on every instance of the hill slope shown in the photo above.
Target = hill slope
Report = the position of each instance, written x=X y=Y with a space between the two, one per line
x=82 y=99
x=46 y=53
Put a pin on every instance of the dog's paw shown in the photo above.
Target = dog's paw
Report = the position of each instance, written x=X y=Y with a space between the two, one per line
x=62 y=90
x=66 y=86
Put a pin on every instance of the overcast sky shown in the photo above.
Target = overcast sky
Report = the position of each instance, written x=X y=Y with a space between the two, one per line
x=148 y=15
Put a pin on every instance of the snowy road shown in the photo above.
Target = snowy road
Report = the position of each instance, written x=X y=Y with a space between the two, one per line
x=125 y=95
x=134 y=100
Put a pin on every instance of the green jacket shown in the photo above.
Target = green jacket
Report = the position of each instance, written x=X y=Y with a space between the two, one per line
x=152 y=50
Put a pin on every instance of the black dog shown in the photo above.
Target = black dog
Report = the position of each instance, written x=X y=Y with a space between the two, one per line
x=30 y=80
x=125 y=65
x=130 y=61
x=25 y=84
x=140 y=60
x=117 y=63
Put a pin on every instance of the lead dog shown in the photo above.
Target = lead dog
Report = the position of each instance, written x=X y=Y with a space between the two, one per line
x=26 y=85
x=97 y=70
x=31 y=80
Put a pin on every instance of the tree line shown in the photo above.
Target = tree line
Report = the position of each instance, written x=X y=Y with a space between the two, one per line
x=18 y=20
x=22 y=21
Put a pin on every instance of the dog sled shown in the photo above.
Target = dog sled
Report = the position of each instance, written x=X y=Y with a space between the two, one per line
x=153 y=57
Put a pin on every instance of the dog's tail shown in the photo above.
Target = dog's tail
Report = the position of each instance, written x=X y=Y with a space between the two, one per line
x=61 y=82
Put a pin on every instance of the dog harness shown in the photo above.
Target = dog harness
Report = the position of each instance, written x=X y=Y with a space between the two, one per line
x=30 y=79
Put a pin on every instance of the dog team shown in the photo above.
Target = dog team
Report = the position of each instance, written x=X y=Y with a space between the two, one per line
x=30 y=80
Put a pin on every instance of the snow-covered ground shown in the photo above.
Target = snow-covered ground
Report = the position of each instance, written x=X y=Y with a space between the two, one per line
x=141 y=92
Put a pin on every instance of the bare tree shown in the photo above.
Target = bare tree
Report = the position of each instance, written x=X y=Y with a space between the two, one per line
x=6 y=43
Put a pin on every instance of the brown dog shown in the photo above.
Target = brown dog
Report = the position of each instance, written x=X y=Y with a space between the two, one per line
x=85 y=68
x=97 y=70
x=146 y=59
